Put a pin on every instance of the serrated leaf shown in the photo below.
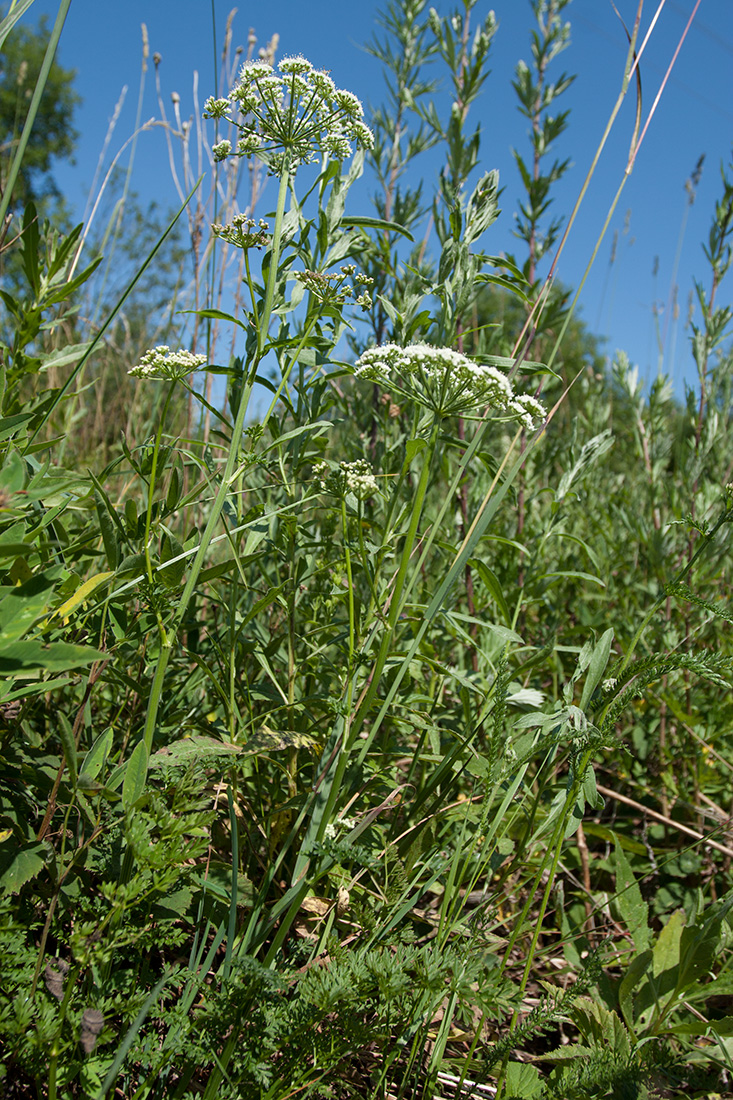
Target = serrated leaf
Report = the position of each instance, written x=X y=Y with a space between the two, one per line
x=19 y=865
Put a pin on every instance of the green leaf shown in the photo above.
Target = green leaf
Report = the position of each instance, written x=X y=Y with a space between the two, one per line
x=97 y=755
x=631 y=904
x=412 y=448
x=62 y=357
x=19 y=657
x=636 y=972
x=133 y=786
x=597 y=666
x=376 y=223
x=68 y=744
x=12 y=475
x=523 y=1081
x=23 y=605
x=492 y=583
x=30 y=240
x=20 y=865
x=109 y=527
x=700 y=943
x=190 y=749
x=10 y=424
x=216 y=315
x=171 y=575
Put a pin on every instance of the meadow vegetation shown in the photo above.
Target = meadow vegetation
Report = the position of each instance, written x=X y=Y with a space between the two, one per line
x=365 y=713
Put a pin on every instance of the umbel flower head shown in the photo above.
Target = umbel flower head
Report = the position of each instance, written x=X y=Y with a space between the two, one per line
x=171 y=366
x=348 y=477
x=243 y=232
x=445 y=381
x=290 y=116
x=331 y=288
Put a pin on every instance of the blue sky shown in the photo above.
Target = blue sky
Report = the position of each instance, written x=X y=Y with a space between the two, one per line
x=102 y=41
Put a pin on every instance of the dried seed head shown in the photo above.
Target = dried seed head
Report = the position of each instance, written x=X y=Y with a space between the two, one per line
x=92 y=1023
x=54 y=974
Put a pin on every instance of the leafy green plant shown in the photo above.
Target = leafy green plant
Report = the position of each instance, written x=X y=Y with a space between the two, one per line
x=316 y=768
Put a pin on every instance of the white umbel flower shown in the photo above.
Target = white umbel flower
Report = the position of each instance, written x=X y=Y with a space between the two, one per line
x=290 y=116
x=444 y=381
x=348 y=477
x=170 y=366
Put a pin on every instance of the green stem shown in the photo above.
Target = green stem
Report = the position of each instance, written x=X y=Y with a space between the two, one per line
x=396 y=601
x=226 y=477
x=347 y=557
x=149 y=510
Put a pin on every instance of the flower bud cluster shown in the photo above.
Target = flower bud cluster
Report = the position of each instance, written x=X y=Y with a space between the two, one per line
x=170 y=366
x=332 y=288
x=445 y=381
x=290 y=116
x=243 y=232
x=348 y=477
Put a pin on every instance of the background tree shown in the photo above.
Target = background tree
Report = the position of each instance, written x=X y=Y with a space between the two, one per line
x=53 y=137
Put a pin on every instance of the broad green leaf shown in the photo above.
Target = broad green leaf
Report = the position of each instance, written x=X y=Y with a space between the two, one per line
x=523 y=1081
x=63 y=356
x=188 y=750
x=23 y=605
x=171 y=575
x=666 y=951
x=573 y=576
x=631 y=904
x=636 y=973
x=492 y=583
x=109 y=527
x=700 y=943
x=135 y=775
x=12 y=475
x=9 y=425
x=26 y=656
x=20 y=865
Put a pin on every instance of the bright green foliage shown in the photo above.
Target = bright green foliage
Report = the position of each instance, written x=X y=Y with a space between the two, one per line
x=360 y=743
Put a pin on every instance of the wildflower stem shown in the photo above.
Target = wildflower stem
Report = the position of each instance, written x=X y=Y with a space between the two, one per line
x=149 y=510
x=350 y=582
x=274 y=257
x=226 y=477
x=395 y=605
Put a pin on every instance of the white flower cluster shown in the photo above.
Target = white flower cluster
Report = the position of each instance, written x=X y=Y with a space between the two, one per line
x=332 y=829
x=348 y=477
x=170 y=366
x=332 y=288
x=243 y=232
x=288 y=117
x=445 y=381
